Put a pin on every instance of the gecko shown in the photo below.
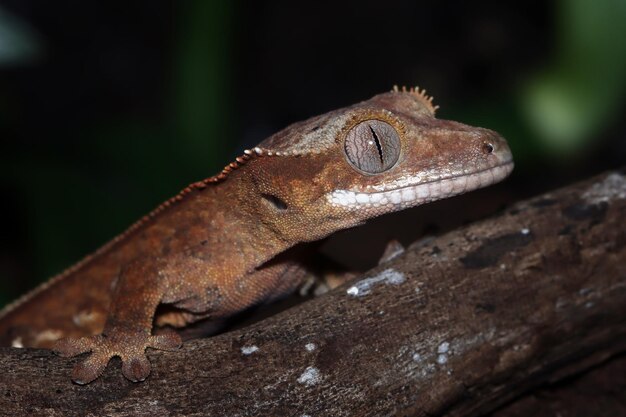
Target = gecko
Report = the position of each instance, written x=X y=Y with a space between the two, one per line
x=235 y=240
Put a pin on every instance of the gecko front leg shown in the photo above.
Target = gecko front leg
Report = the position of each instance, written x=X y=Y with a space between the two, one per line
x=128 y=329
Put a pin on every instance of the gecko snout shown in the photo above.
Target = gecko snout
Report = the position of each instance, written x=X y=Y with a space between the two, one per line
x=495 y=147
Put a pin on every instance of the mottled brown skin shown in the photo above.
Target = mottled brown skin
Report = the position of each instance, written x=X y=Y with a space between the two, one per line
x=219 y=247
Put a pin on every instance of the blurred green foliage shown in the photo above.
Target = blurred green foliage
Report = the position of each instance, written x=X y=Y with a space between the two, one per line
x=566 y=103
x=557 y=111
x=18 y=43
x=202 y=81
x=141 y=162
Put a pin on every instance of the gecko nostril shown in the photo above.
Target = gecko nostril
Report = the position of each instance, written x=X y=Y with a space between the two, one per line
x=488 y=148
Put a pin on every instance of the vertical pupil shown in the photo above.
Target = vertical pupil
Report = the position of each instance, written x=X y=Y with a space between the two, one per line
x=378 y=145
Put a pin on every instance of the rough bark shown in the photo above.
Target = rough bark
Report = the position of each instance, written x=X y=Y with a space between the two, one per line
x=599 y=392
x=457 y=325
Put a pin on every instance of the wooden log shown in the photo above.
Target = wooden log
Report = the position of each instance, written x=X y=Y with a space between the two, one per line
x=598 y=392
x=457 y=325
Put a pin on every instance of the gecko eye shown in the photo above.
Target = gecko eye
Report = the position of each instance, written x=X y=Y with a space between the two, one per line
x=372 y=146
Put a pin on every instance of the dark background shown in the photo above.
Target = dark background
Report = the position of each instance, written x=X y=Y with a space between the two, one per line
x=108 y=108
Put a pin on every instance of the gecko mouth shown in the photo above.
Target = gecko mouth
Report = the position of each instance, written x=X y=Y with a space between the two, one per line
x=414 y=195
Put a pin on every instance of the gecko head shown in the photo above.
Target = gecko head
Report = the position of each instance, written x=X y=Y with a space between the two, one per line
x=382 y=155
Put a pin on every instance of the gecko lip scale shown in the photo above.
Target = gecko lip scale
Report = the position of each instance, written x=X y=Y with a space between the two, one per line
x=421 y=193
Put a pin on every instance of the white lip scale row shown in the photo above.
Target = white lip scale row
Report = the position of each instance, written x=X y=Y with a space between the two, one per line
x=421 y=193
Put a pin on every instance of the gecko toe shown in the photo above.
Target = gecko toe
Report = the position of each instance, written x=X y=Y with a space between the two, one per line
x=69 y=347
x=168 y=340
x=136 y=369
x=89 y=369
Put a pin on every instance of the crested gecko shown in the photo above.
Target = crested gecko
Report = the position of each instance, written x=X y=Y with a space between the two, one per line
x=226 y=243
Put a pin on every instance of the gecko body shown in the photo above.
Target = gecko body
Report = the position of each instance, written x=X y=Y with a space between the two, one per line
x=227 y=243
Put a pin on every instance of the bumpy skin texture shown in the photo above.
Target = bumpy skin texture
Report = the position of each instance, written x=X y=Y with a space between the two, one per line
x=226 y=243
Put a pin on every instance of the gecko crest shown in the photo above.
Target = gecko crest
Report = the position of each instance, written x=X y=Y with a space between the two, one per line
x=420 y=94
x=239 y=161
x=200 y=185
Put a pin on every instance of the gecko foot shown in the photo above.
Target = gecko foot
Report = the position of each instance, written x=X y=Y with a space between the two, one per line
x=129 y=346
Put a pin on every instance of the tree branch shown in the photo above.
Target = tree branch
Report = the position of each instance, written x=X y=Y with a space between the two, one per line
x=457 y=325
